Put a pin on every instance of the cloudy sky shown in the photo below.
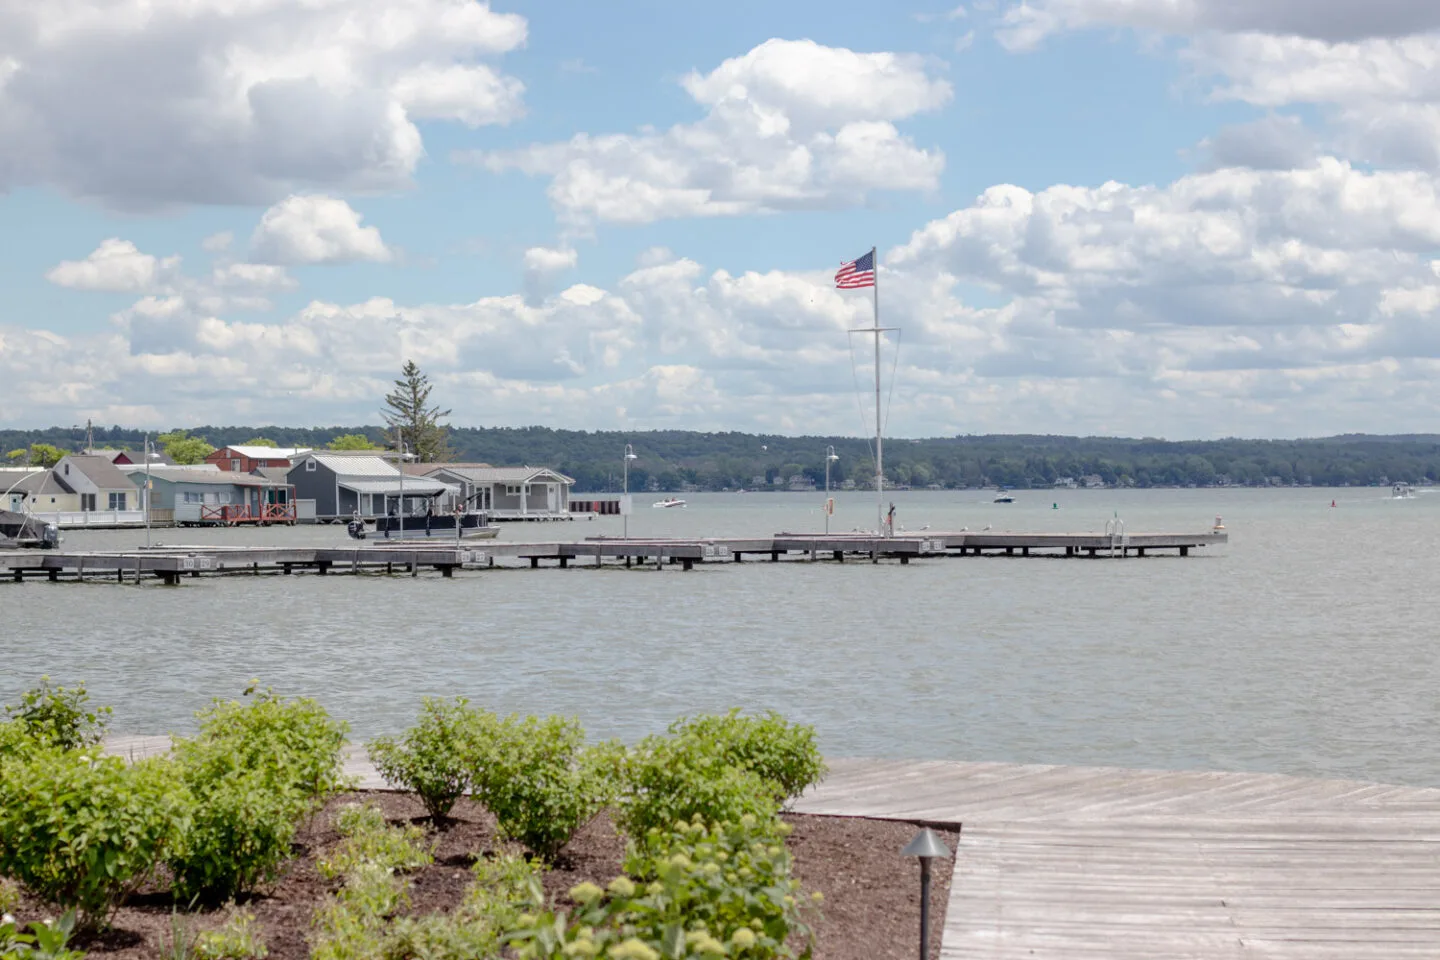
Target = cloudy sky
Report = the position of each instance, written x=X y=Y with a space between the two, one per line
x=1179 y=218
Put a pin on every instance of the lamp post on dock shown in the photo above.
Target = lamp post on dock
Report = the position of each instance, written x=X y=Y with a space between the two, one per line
x=624 y=503
x=830 y=458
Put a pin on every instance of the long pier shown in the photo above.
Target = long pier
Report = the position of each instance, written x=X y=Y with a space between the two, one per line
x=172 y=563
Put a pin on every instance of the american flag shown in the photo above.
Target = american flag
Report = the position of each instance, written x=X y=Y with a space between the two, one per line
x=857 y=273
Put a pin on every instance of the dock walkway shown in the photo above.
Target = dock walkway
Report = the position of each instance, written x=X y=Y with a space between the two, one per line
x=170 y=563
x=1102 y=863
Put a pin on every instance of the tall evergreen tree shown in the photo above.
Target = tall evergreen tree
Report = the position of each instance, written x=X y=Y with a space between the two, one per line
x=408 y=411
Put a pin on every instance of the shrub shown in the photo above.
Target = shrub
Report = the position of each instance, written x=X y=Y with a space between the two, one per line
x=723 y=890
x=431 y=758
x=370 y=840
x=667 y=779
x=293 y=743
x=253 y=773
x=538 y=779
x=236 y=939
x=783 y=753
x=47 y=940
x=59 y=716
x=501 y=890
x=238 y=837
x=351 y=924
x=14 y=739
x=83 y=831
x=9 y=896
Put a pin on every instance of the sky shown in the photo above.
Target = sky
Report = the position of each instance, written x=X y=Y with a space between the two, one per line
x=1168 y=218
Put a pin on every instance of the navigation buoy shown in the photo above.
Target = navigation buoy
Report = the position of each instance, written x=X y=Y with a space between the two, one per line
x=1054 y=506
x=1332 y=503
x=1219 y=524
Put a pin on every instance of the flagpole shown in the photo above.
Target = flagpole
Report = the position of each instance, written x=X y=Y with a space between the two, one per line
x=879 y=448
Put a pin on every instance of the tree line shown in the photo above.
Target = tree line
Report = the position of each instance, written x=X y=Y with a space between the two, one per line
x=679 y=459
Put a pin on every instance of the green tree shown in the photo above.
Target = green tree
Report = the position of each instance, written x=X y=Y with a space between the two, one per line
x=409 y=413
x=260 y=442
x=45 y=454
x=23 y=453
x=352 y=441
x=183 y=448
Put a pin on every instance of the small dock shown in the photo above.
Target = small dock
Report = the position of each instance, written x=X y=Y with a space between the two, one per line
x=172 y=563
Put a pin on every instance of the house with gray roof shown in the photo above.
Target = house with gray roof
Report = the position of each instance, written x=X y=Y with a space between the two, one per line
x=510 y=493
x=207 y=496
x=342 y=485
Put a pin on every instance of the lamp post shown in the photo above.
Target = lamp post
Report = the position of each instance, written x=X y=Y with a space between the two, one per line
x=925 y=845
x=829 y=459
x=624 y=503
x=148 y=456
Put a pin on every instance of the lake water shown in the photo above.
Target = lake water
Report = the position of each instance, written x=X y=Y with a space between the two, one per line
x=1305 y=646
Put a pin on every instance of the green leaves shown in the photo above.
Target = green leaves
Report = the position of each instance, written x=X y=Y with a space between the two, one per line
x=83 y=830
x=433 y=758
x=59 y=717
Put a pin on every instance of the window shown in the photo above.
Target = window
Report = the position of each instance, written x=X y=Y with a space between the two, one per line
x=310 y=466
x=235 y=465
x=192 y=497
x=87 y=501
x=117 y=501
x=512 y=489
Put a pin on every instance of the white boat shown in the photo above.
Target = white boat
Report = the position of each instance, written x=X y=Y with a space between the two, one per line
x=1003 y=497
x=1402 y=491
x=669 y=502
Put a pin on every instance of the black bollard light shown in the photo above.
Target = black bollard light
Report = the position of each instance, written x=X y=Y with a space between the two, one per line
x=926 y=845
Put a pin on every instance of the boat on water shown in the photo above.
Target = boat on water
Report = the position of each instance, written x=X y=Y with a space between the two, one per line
x=668 y=502
x=1402 y=491
x=1003 y=497
x=25 y=531
x=434 y=528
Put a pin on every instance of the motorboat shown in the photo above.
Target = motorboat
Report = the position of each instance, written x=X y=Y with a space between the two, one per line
x=1402 y=491
x=1003 y=497
x=669 y=502
x=433 y=528
x=23 y=530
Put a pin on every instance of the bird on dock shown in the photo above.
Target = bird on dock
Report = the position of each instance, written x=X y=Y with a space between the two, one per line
x=987 y=527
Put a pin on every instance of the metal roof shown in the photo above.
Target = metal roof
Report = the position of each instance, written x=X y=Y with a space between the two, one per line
x=266 y=453
x=480 y=474
x=413 y=485
x=351 y=466
x=212 y=477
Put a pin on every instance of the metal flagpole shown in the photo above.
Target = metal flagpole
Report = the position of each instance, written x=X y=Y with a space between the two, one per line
x=879 y=449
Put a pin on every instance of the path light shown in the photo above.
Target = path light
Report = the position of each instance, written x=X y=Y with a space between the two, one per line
x=629 y=455
x=927 y=846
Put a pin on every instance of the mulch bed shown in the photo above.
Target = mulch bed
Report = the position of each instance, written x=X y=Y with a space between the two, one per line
x=871 y=908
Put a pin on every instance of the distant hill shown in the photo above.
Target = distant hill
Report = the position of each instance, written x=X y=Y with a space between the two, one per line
x=680 y=459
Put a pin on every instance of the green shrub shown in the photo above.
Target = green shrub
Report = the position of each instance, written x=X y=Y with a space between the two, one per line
x=370 y=840
x=432 y=758
x=538 y=779
x=351 y=924
x=47 y=940
x=236 y=939
x=83 y=830
x=782 y=753
x=15 y=740
x=254 y=772
x=723 y=891
x=9 y=896
x=59 y=716
x=294 y=743
x=501 y=891
x=668 y=779
x=238 y=837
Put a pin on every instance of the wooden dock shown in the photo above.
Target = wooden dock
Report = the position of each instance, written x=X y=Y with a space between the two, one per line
x=172 y=563
x=1077 y=863
x=1101 y=863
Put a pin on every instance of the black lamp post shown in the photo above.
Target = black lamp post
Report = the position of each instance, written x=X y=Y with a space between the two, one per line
x=926 y=845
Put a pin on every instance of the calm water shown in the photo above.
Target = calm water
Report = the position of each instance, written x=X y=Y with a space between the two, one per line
x=1306 y=646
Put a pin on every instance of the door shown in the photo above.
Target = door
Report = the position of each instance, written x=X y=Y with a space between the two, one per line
x=552 y=497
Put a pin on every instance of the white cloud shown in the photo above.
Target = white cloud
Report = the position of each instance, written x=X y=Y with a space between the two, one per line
x=116 y=265
x=144 y=103
x=217 y=242
x=255 y=276
x=791 y=124
x=550 y=259
x=310 y=229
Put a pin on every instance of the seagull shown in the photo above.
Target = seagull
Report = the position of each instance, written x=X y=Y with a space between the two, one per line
x=987 y=526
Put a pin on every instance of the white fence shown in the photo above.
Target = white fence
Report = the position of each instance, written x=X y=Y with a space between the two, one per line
x=70 y=519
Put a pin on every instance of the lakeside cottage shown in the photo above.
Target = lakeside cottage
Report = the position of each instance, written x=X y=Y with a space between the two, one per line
x=341 y=485
x=509 y=493
x=207 y=495
x=242 y=458
x=97 y=482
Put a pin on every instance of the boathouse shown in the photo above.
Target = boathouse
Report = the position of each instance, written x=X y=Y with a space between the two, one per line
x=510 y=493
x=243 y=458
x=342 y=485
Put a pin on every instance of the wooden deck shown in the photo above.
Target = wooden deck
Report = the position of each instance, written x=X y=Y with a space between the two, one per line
x=1075 y=863
x=1100 y=863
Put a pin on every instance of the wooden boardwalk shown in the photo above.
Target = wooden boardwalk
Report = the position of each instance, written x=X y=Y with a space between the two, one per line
x=1098 y=863
x=1076 y=863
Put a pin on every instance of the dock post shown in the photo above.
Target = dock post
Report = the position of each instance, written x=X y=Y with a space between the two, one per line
x=839 y=556
x=119 y=574
x=627 y=561
x=255 y=568
x=598 y=558
x=564 y=562
x=1009 y=551
x=389 y=567
x=687 y=564
x=1139 y=551
x=874 y=557
x=1024 y=551
x=534 y=563
x=1184 y=551
x=54 y=575
x=287 y=568
x=322 y=568
x=904 y=560
x=447 y=571
x=1090 y=551
x=774 y=556
x=1069 y=551
x=414 y=565
x=739 y=557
